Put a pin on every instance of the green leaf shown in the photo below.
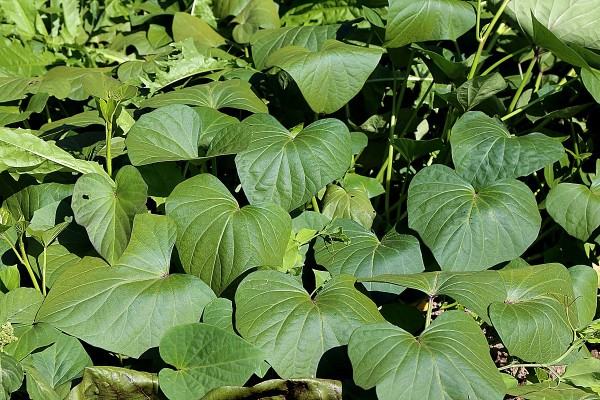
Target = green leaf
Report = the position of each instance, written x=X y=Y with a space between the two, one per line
x=584 y=373
x=484 y=151
x=371 y=186
x=274 y=312
x=61 y=362
x=111 y=383
x=585 y=287
x=106 y=88
x=325 y=12
x=475 y=91
x=106 y=209
x=234 y=93
x=188 y=26
x=219 y=313
x=300 y=389
x=329 y=77
x=11 y=376
x=365 y=256
x=32 y=338
x=410 y=21
x=266 y=42
x=412 y=149
x=279 y=166
x=126 y=308
x=550 y=391
x=449 y=360
x=576 y=208
x=591 y=81
x=258 y=14
x=23 y=59
x=58 y=260
x=533 y=321
x=217 y=240
x=23 y=153
x=353 y=204
x=470 y=230
x=36 y=198
x=22 y=13
x=20 y=306
x=212 y=358
x=38 y=387
x=225 y=8
x=14 y=88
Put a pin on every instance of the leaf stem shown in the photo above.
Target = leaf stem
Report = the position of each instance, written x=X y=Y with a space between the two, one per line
x=485 y=36
x=503 y=59
x=315 y=205
x=524 y=82
x=539 y=99
x=429 y=310
x=25 y=262
x=44 y=271
x=109 y=132
x=576 y=344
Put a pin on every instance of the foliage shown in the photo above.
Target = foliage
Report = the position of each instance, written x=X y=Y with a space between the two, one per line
x=252 y=198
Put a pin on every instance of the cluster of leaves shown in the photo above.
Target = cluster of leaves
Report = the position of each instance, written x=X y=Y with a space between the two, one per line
x=307 y=199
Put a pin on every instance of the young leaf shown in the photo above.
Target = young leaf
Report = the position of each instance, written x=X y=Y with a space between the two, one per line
x=365 y=256
x=211 y=358
x=217 y=240
x=450 y=359
x=219 y=313
x=106 y=209
x=410 y=21
x=353 y=204
x=107 y=306
x=469 y=230
x=483 y=150
x=329 y=77
x=274 y=312
x=279 y=166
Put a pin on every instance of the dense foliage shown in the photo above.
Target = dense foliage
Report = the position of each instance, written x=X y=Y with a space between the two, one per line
x=307 y=199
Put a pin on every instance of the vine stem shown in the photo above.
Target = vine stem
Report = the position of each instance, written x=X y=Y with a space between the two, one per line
x=524 y=82
x=485 y=36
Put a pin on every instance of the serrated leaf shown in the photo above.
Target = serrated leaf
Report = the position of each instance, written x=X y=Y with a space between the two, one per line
x=576 y=208
x=484 y=151
x=469 y=230
x=410 y=21
x=234 y=93
x=353 y=204
x=329 y=77
x=279 y=166
x=212 y=358
x=217 y=240
x=365 y=256
x=188 y=26
x=106 y=209
x=126 y=308
x=274 y=312
x=449 y=360
x=266 y=42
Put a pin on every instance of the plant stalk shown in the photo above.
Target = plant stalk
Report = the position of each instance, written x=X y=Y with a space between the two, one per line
x=429 y=310
x=25 y=262
x=524 y=82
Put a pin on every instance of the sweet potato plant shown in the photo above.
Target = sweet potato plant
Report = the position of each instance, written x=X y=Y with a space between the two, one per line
x=251 y=199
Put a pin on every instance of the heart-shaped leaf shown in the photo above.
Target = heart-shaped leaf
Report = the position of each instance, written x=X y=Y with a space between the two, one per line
x=274 y=312
x=483 y=150
x=266 y=42
x=217 y=241
x=449 y=360
x=418 y=21
x=353 y=204
x=279 y=166
x=330 y=77
x=234 y=93
x=534 y=321
x=576 y=208
x=470 y=230
x=126 y=308
x=365 y=256
x=106 y=209
x=211 y=358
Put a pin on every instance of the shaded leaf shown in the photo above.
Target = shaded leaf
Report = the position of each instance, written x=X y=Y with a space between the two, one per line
x=114 y=383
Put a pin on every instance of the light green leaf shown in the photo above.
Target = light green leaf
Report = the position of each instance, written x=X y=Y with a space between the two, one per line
x=591 y=81
x=549 y=390
x=20 y=306
x=225 y=8
x=212 y=358
x=22 y=152
x=212 y=122
x=23 y=59
x=22 y=13
x=279 y=166
x=126 y=308
x=10 y=277
x=111 y=383
x=266 y=42
x=14 y=88
x=469 y=230
x=258 y=14
x=365 y=256
x=329 y=77
x=106 y=209
x=188 y=26
x=38 y=387
x=418 y=21
x=371 y=186
x=219 y=313
x=274 y=312
x=32 y=338
x=484 y=151
x=585 y=287
x=584 y=372
x=217 y=240
x=326 y=12
x=234 y=93
x=353 y=204
x=576 y=208
x=58 y=260
x=532 y=321
x=106 y=88
x=449 y=360
x=11 y=376
x=475 y=91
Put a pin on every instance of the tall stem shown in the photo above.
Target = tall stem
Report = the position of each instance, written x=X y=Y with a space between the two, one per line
x=25 y=262
x=524 y=82
x=109 y=133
